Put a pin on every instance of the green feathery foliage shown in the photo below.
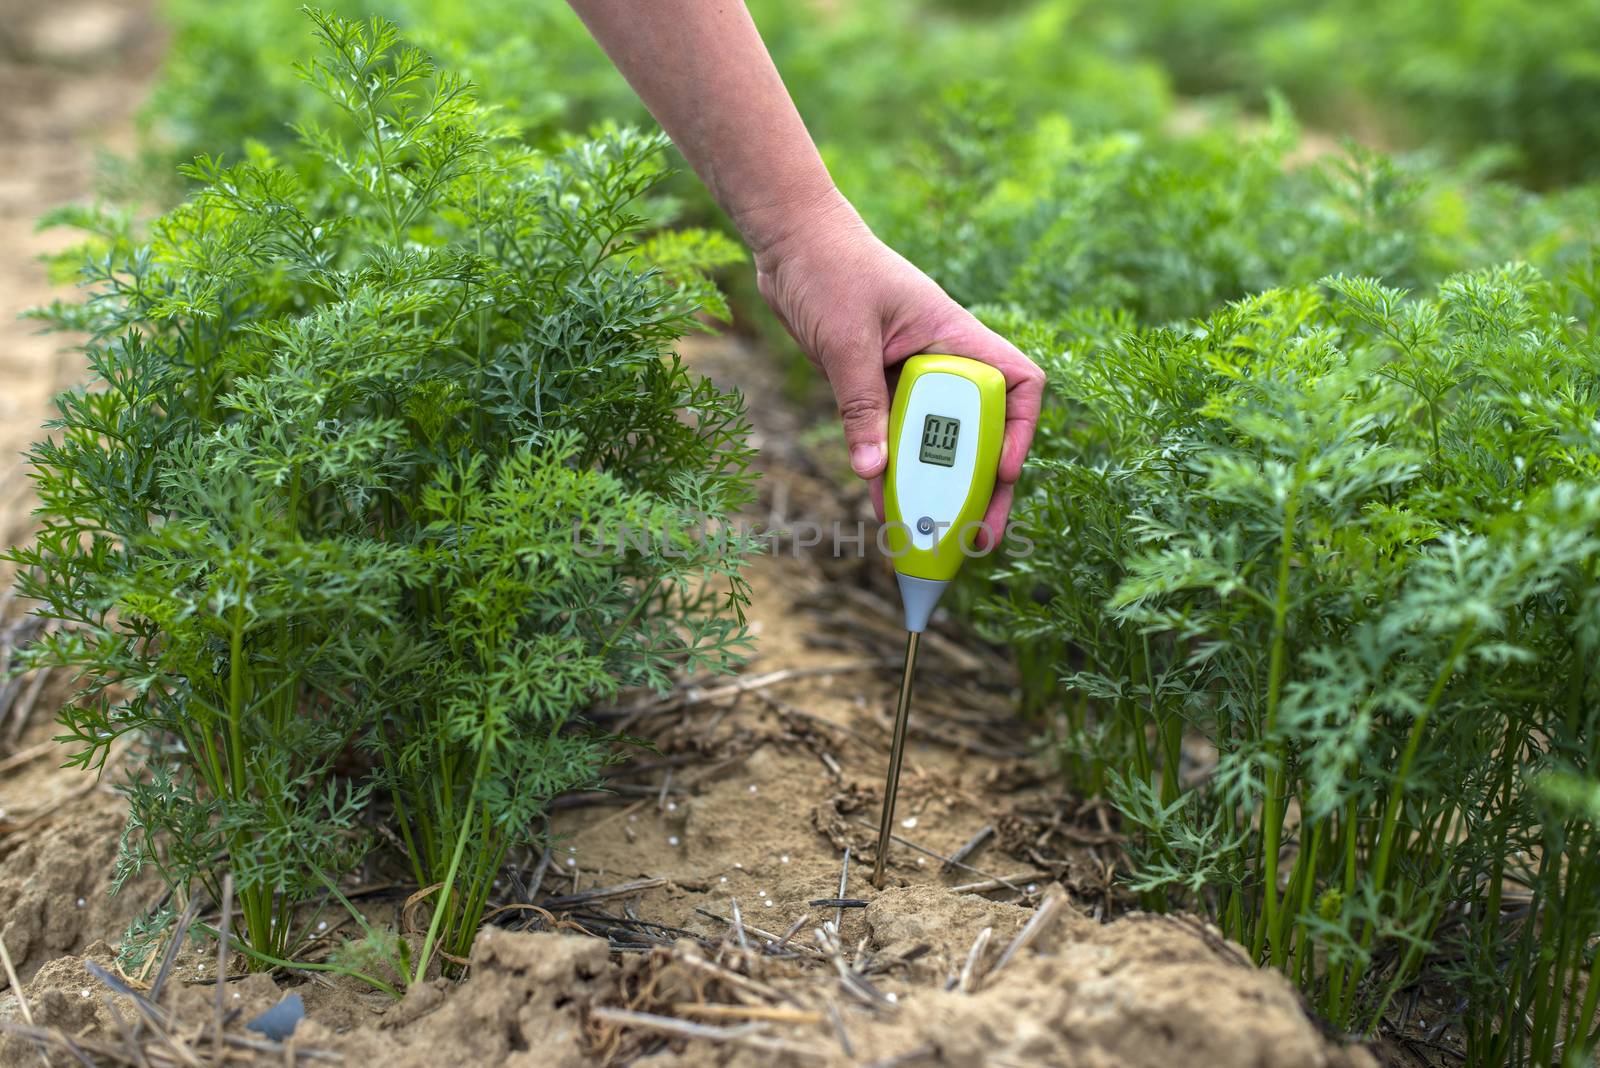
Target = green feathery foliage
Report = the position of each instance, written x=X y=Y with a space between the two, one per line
x=1350 y=537
x=1044 y=216
x=1518 y=78
x=347 y=408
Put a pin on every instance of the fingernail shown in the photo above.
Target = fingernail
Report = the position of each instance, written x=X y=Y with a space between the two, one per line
x=866 y=458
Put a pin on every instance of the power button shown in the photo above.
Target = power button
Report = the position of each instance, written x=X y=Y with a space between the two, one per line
x=925 y=525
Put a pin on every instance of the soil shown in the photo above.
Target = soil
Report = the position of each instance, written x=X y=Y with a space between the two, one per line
x=722 y=839
x=70 y=79
x=70 y=75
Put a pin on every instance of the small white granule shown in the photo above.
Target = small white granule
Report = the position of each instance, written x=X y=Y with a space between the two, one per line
x=673 y=840
x=909 y=822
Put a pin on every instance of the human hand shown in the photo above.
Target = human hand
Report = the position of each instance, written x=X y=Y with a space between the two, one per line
x=857 y=309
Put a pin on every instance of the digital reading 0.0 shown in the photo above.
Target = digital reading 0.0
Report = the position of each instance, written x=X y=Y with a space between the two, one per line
x=939 y=435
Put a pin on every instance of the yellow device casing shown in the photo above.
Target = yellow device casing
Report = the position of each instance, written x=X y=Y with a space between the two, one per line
x=944 y=558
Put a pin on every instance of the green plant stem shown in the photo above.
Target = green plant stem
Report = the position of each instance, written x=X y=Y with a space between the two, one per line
x=1302 y=881
x=1413 y=954
x=1580 y=1002
x=442 y=901
x=1391 y=811
x=1580 y=1021
x=303 y=966
x=1509 y=746
x=1272 y=815
x=255 y=900
x=1172 y=731
x=236 y=769
x=403 y=818
x=1568 y=938
x=1336 y=1007
x=1523 y=988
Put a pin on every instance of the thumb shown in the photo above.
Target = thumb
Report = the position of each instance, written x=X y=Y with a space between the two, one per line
x=863 y=395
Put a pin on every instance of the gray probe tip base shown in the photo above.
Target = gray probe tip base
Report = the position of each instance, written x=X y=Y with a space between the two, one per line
x=920 y=597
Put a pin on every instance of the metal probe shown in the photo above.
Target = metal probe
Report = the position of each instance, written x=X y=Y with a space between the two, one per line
x=945 y=429
x=897 y=748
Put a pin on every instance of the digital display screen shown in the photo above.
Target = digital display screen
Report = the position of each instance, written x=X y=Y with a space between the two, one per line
x=939 y=436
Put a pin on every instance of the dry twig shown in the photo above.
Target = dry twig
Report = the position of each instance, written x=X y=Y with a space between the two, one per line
x=965 y=852
x=1055 y=901
x=1008 y=884
x=844 y=882
x=774 y=1013
x=600 y=893
x=969 y=971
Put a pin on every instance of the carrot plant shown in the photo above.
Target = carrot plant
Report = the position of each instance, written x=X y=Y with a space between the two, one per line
x=1351 y=538
x=1042 y=215
x=309 y=529
x=1480 y=74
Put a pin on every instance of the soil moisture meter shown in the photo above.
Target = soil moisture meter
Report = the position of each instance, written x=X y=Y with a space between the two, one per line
x=945 y=429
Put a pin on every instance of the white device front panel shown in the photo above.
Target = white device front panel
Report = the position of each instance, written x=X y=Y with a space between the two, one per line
x=928 y=490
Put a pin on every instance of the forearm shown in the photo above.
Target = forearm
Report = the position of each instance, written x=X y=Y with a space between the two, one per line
x=701 y=68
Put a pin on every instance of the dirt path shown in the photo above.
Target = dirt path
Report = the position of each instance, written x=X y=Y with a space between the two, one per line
x=71 y=77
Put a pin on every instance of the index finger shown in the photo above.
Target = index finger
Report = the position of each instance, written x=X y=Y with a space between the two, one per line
x=1024 y=395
